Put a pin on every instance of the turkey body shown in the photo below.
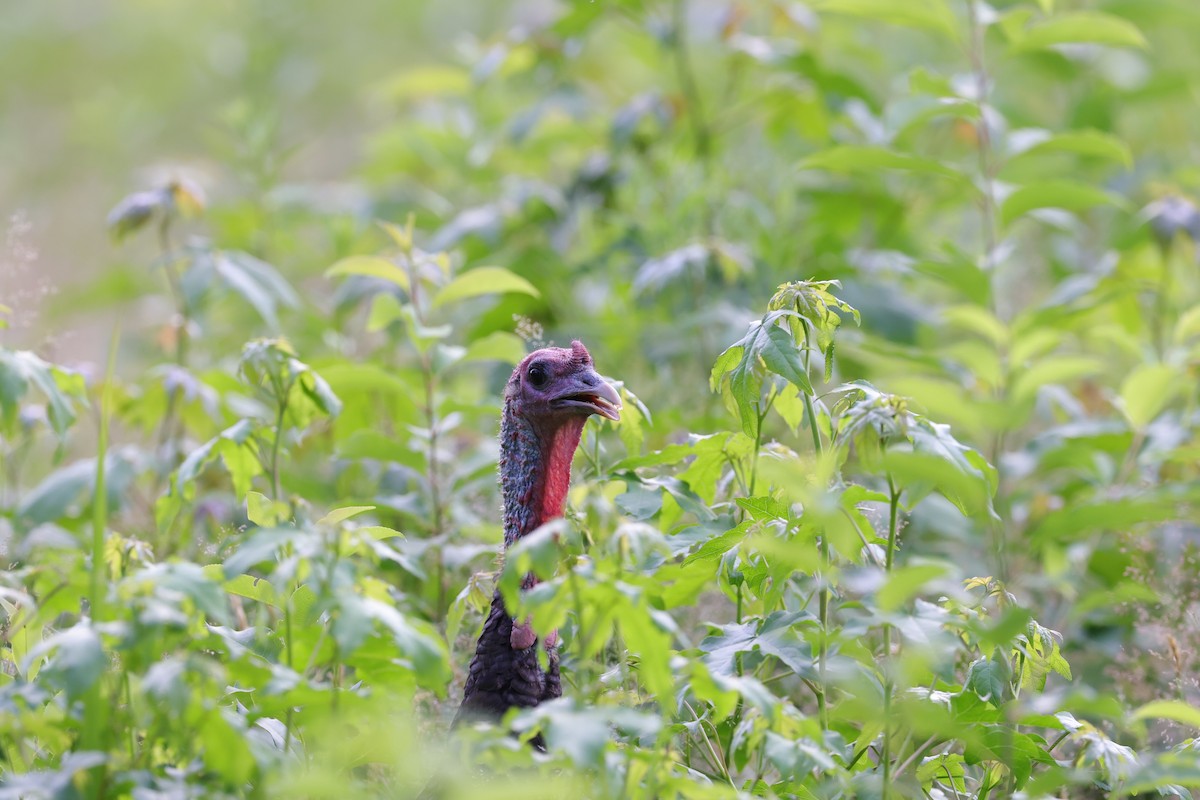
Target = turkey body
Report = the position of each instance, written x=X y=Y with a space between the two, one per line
x=546 y=403
x=502 y=676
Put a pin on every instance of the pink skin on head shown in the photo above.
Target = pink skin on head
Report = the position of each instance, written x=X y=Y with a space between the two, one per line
x=548 y=399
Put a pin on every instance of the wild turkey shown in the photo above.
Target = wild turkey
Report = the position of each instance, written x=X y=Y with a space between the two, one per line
x=546 y=403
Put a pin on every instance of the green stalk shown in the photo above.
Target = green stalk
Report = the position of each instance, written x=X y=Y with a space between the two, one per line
x=100 y=499
x=885 y=756
x=823 y=590
x=276 y=487
x=95 y=711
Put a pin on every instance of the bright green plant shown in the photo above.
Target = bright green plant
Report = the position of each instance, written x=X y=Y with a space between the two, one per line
x=920 y=525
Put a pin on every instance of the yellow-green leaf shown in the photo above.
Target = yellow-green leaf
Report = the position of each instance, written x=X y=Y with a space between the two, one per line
x=1093 y=143
x=1175 y=710
x=1146 y=392
x=929 y=15
x=1067 y=195
x=343 y=514
x=1082 y=27
x=496 y=346
x=483 y=280
x=853 y=159
x=371 y=267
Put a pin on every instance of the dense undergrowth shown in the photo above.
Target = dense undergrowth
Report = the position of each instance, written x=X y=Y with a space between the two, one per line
x=926 y=531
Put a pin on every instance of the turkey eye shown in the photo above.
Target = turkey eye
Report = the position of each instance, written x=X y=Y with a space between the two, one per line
x=538 y=375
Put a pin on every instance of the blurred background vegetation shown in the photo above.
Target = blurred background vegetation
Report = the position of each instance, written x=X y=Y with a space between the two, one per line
x=1003 y=190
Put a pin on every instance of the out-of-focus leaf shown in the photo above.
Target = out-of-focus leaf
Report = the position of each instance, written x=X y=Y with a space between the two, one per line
x=62 y=389
x=257 y=283
x=496 y=346
x=1147 y=390
x=1174 y=710
x=1081 y=27
x=857 y=159
x=134 y=211
x=370 y=267
x=77 y=659
x=483 y=280
x=1092 y=143
x=934 y=16
x=1066 y=195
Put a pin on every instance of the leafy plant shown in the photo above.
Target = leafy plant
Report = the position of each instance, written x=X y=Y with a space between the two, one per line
x=913 y=515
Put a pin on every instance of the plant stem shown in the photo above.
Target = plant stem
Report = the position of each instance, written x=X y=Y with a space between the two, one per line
x=885 y=756
x=822 y=590
x=167 y=433
x=434 y=467
x=96 y=711
x=281 y=412
x=687 y=82
x=893 y=529
x=987 y=169
x=100 y=494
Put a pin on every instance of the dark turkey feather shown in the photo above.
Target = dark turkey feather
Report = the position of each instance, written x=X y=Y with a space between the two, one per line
x=546 y=403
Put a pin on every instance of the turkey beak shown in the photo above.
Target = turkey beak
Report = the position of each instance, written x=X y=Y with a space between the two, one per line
x=590 y=393
x=607 y=401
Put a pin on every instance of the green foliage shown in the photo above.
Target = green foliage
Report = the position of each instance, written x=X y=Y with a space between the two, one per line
x=946 y=551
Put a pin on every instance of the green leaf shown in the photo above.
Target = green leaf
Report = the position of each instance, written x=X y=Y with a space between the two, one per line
x=716 y=547
x=863 y=159
x=1092 y=143
x=934 y=16
x=763 y=508
x=989 y=679
x=265 y=512
x=766 y=347
x=339 y=515
x=370 y=267
x=483 y=280
x=256 y=282
x=134 y=211
x=1066 y=195
x=496 y=346
x=428 y=81
x=918 y=473
x=1081 y=27
x=904 y=583
x=1174 y=710
x=1147 y=390
x=1080 y=518
x=781 y=355
x=77 y=659
x=61 y=388
x=1060 y=370
x=774 y=636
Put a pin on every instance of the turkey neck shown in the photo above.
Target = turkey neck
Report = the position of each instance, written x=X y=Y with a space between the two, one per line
x=535 y=468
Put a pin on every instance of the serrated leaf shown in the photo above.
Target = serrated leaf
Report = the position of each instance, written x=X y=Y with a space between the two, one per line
x=781 y=355
x=989 y=679
x=763 y=508
x=718 y=546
